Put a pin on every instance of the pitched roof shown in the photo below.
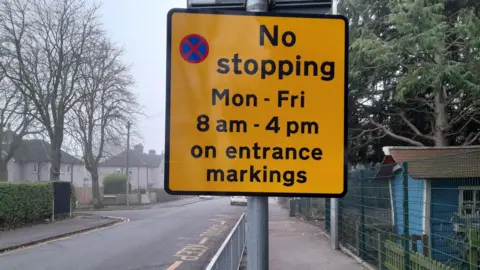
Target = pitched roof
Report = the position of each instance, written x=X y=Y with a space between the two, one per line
x=40 y=151
x=433 y=162
x=135 y=159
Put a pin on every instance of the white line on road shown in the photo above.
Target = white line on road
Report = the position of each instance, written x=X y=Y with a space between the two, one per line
x=203 y=241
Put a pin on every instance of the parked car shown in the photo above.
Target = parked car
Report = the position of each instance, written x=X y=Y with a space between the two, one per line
x=238 y=200
x=206 y=197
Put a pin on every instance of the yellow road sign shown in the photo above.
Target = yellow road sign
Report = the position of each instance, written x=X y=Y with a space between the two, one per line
x=256 y=104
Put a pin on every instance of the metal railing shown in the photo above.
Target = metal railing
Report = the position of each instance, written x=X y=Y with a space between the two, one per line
x=229 y=256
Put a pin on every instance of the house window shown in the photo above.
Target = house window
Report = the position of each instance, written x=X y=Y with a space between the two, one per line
x=469 y=201
x=123 y=170
x=35 y=167
x=68 y=168
x=61 y=169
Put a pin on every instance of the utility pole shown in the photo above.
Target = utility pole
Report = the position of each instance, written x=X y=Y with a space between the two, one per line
x=257 y=207
x=129 y=124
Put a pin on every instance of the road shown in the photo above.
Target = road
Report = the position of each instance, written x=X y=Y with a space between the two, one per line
x=164 y=237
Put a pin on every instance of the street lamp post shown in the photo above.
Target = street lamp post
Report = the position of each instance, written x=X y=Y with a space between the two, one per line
x=129 y=124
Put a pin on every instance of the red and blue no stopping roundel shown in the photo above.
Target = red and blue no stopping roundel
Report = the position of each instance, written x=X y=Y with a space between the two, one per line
x=194 y=48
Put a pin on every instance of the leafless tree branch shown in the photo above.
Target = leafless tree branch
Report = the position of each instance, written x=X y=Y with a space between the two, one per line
x=46 y=43
x=107 y=104
x=395 y=136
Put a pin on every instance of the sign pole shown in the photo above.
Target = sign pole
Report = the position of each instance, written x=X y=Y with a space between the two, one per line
x=257 y=207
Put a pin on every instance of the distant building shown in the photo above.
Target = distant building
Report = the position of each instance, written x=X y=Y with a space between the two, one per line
x=31 y=162
x=145 y=169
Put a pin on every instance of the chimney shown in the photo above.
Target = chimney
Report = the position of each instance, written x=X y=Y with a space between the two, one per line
x=152 y=152
x=138 y=148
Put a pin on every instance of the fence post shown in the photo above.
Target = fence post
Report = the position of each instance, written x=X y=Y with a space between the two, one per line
x=362 y=214
x=327 y=208
x=380 y=249
x=334 y=223
x=309 y=208
x=406 y=232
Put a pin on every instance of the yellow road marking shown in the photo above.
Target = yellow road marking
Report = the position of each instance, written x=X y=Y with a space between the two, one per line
x=203 y=241
x=174 y=265
x=224 y=216
x=193 y=252
x=187 y=238
x=216 y=220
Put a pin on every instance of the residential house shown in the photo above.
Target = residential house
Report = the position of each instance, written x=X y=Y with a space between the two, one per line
x=145 y=169
x=31 y=162
x=443 y=194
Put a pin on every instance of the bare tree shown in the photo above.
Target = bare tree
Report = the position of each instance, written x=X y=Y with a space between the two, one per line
x=99 y=119
x=46 y=44
x=15 y=122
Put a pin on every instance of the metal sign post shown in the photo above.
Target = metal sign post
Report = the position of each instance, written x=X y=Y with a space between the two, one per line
x=257 y=207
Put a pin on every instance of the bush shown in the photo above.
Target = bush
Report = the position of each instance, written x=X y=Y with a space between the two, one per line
x=23 y=203
x=115 y=184
x=73 y=197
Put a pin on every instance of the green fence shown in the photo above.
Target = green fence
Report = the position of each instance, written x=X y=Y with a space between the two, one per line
x=422 y=214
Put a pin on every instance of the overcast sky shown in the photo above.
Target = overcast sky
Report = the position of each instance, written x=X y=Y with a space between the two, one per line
x=140 y=26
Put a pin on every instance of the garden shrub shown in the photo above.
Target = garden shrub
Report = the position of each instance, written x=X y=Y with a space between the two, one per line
x=114 y=183
x=23 y=203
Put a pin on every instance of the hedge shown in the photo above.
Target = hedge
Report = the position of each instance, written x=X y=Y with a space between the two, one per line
x=25 y=203
x=73 y=198
x=22 y=203
x=115 y=183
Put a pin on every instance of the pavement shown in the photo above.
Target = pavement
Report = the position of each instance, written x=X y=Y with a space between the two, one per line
x=43 y=232
x=181 y=202
x=180 y=235
x=294 y=244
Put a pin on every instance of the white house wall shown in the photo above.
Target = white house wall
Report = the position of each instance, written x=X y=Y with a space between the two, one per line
x=78 y=175
x=28 y=175
x=138 y=177
x=158 y=174
x=23 y=172
x=13 y=173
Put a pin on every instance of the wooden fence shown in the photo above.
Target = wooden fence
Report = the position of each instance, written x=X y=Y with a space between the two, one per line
x=84 y=194
x=395 y=254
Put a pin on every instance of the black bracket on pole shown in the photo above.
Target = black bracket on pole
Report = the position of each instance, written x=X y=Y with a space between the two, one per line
x=273 y=5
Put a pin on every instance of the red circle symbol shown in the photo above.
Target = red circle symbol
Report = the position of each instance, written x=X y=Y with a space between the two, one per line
x=194 y=48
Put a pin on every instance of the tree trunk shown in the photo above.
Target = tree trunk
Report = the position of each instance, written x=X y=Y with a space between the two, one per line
x=3 y=171
x=56 y=158
x=97 y=196
x=441 y=122
x=57 y=140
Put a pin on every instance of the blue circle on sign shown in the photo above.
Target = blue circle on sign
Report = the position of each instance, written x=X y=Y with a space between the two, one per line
x=194 y=48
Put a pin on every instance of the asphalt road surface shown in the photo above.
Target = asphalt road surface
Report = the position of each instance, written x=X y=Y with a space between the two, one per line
x=180 y=237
